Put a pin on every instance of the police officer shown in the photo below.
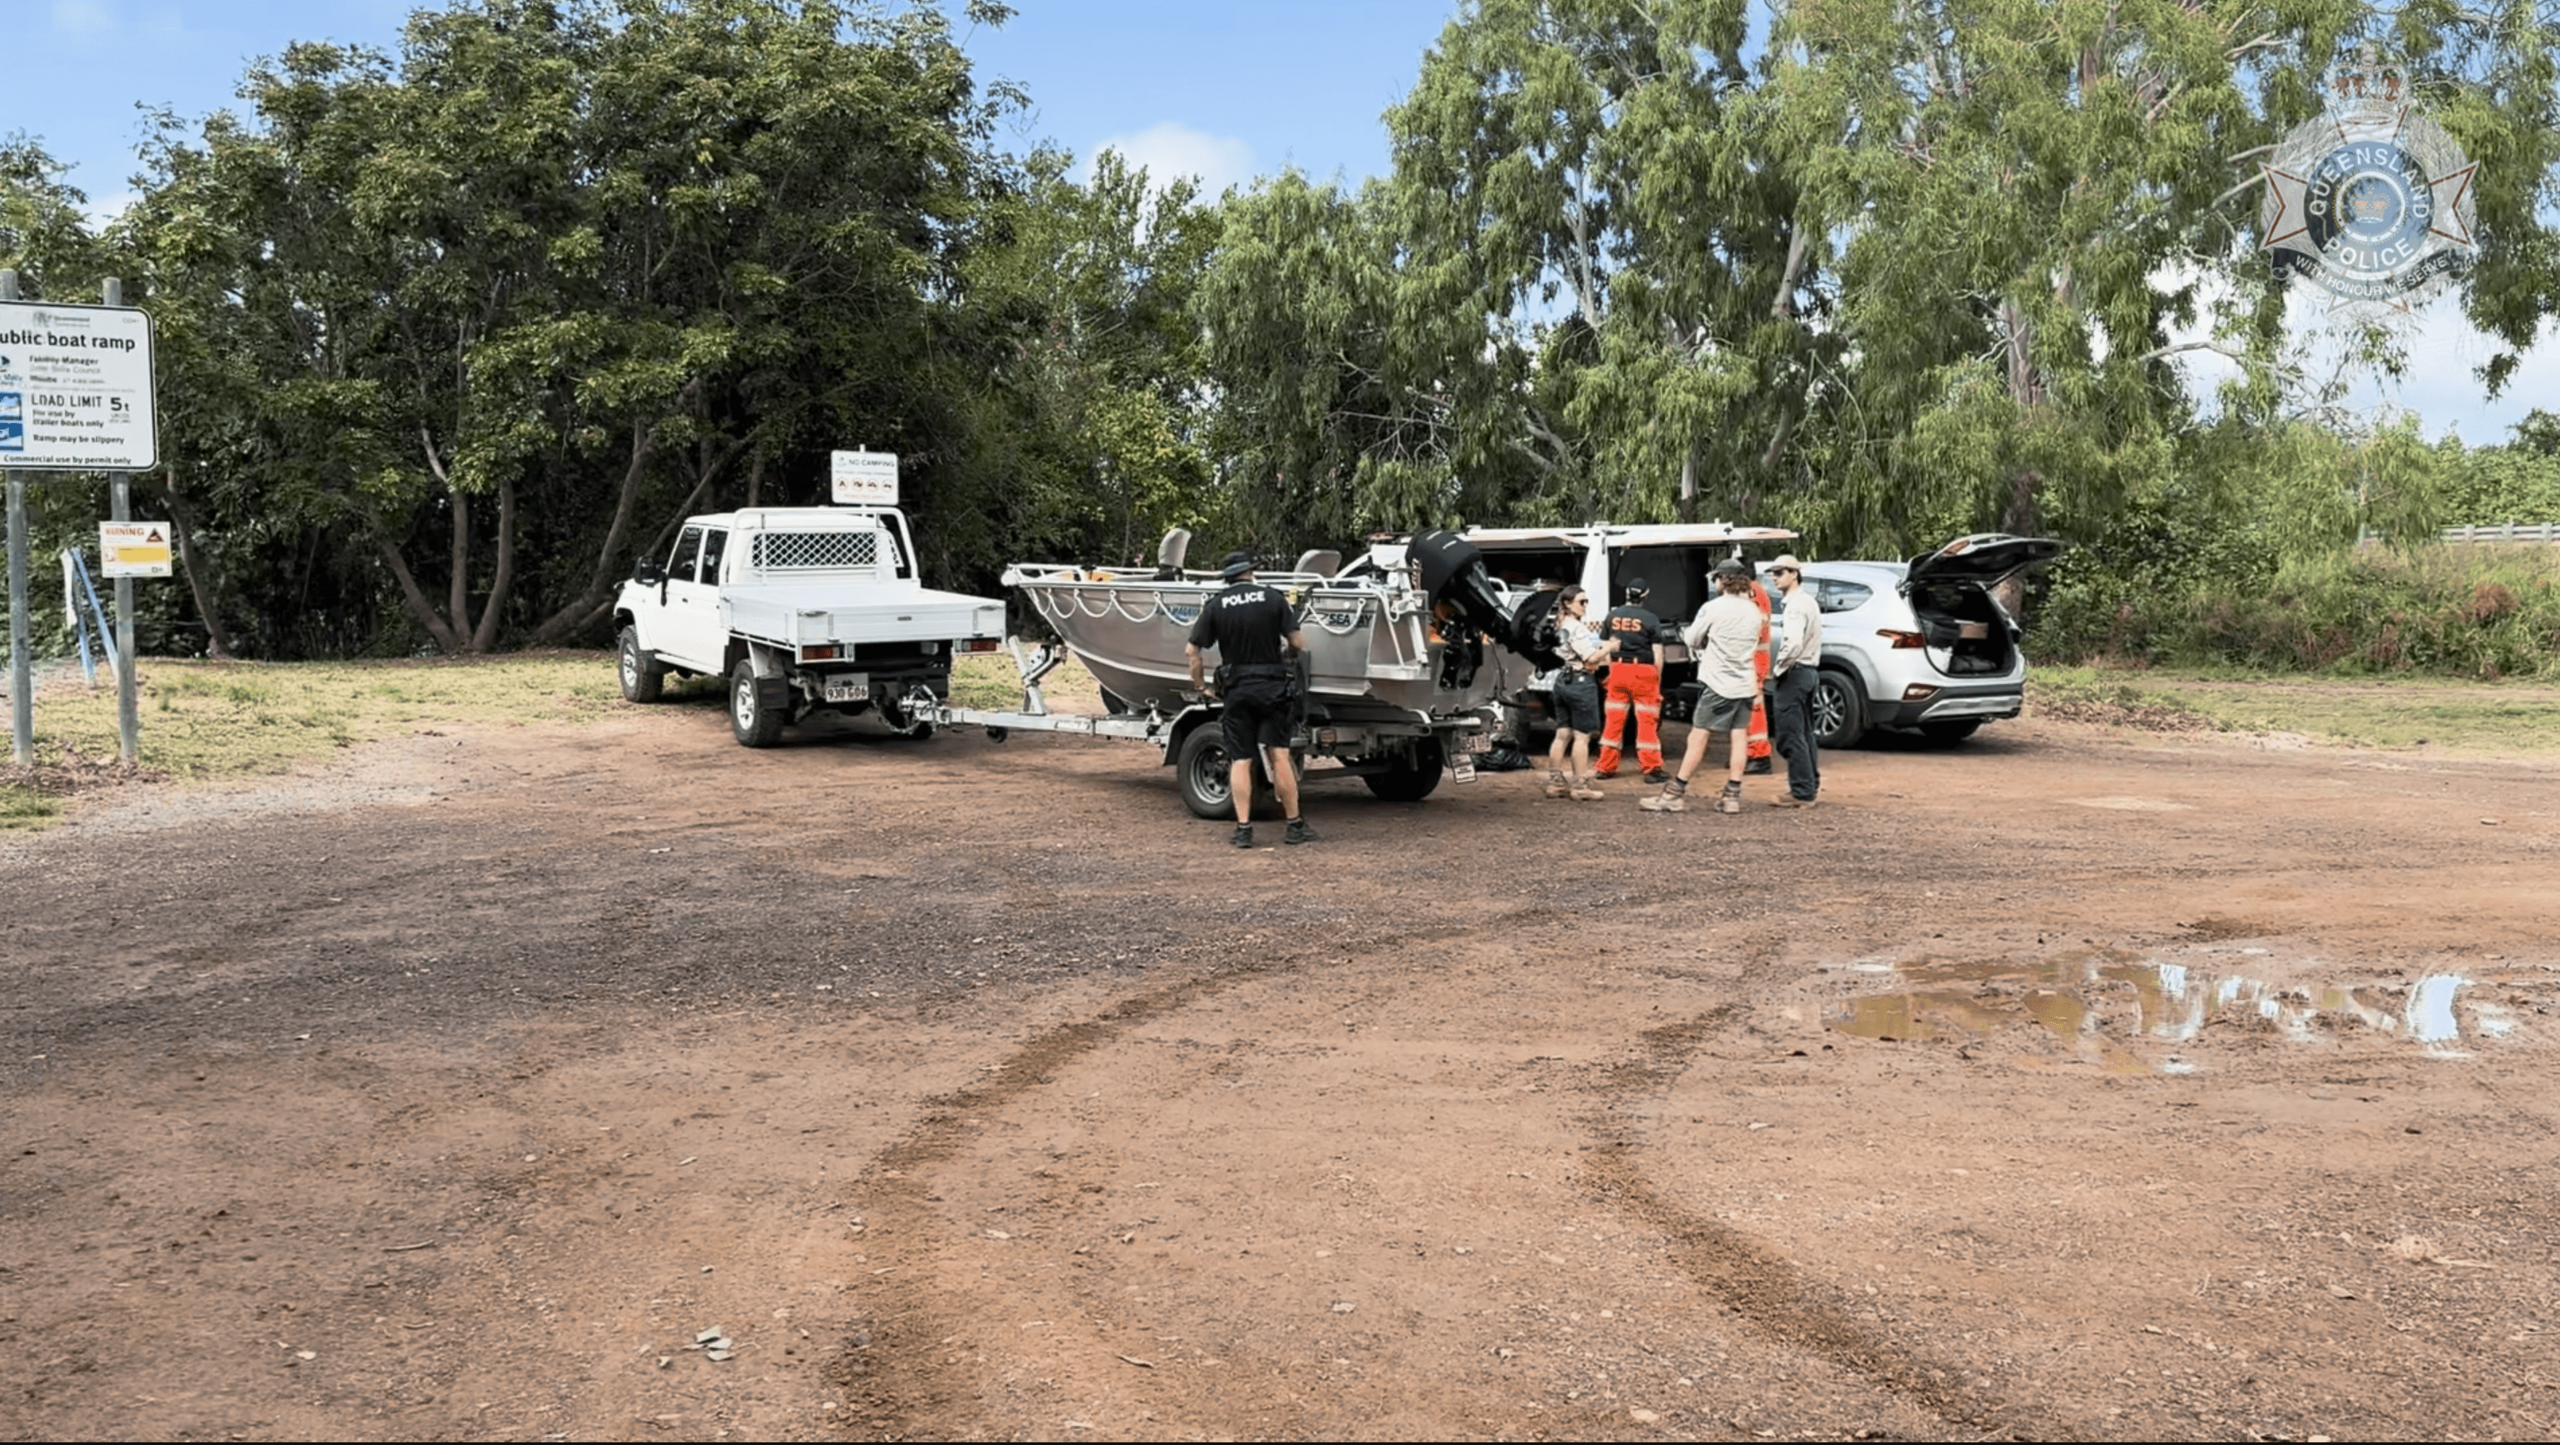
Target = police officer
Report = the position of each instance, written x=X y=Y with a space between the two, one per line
x=1255 y=633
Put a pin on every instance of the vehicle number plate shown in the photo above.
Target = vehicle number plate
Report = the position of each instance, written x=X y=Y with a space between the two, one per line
x=849 y=687
x=1464 y=768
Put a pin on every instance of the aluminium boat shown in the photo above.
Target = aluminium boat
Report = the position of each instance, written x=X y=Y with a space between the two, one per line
x=1402 y=630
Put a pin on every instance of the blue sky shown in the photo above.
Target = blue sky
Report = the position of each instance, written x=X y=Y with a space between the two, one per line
x=1224 y=90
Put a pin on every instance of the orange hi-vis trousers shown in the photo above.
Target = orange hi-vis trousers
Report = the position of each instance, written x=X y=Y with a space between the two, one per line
x=1758 y=746
x=1636 y=685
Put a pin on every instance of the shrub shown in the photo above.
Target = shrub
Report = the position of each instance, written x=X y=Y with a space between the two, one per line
x=2457 y=611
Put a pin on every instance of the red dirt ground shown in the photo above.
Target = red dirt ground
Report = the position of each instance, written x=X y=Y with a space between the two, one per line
x=2065 y=1084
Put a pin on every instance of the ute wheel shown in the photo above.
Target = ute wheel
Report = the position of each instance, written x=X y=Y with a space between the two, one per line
x=1948 y=734
x=756 y=725
x=1411 y=777
x=642 y=678
x=1839 y=711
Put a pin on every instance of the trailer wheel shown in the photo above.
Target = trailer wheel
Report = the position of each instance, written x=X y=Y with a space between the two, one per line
x=756 y=725
x=642 y=678
x=1410 y=777
x=1200 y=767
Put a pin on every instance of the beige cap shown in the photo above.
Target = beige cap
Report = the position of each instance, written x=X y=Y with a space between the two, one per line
x=1788 y=561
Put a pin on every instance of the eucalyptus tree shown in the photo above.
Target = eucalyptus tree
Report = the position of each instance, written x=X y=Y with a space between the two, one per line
x=2021 y=202
x=559 y=272
x=1076 y=363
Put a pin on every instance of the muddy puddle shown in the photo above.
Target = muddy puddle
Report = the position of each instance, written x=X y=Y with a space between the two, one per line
x=2137 y=1016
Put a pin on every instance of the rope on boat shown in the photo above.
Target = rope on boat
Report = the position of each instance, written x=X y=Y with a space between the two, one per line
x=1155 y=601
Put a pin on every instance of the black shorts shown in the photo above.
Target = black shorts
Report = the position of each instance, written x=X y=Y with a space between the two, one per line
x=1257 y=715
x=1577 y=700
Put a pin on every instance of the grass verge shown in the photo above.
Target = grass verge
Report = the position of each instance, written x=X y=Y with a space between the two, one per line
x=206 y=720
x=2478 y=717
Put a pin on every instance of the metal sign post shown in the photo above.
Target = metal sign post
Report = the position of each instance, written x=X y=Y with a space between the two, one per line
x=22 y=716
x=120 y=508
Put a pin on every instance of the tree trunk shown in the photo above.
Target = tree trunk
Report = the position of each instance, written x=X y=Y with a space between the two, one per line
x=1689 y=485
x=415 y=598
x=199 y=569
x=485 y=636
x=457 y=608
x=606 y=575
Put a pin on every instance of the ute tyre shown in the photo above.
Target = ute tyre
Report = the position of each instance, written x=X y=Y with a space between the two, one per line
x=642 y=679
x=1948 y=734
x=1839 y=711
x=1412 y=778
x=756 y=725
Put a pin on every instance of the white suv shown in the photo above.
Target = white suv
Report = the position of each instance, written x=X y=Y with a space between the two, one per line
x=1920 y=645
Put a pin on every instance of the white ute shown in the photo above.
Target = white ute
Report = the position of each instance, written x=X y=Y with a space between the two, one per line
x=800 y=608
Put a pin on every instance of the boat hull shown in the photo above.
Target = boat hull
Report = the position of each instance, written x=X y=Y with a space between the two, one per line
x=1370 y=646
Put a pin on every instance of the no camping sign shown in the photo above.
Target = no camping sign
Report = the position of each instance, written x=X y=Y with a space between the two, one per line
x=133 y=549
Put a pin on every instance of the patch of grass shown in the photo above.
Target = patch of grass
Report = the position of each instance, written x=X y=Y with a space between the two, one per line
x=25 y=808
x=2485 y=717
x=220 y=719
x=992 y=681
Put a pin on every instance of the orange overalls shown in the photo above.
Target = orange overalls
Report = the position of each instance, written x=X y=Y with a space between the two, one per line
x=1759 y=744
x=1632 y=685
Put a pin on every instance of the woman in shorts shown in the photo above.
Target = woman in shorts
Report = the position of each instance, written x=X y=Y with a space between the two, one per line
x=1577 y=698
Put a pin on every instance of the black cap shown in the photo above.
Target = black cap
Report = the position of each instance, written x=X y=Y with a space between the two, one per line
x=1731 y=567
x=1637 y=587
x=1236 y=565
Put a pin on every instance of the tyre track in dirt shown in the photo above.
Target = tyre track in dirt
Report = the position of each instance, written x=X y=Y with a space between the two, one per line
x=916 y=1369
x=1768 y=1291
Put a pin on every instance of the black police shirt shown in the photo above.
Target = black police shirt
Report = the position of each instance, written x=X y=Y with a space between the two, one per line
x=1247 y=624
x=1635 y=629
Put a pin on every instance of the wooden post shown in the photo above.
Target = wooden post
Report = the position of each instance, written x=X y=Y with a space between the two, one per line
x=120 y=509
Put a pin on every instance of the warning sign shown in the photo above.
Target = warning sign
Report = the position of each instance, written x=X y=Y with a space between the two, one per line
x=133 y=549
x=865 y=479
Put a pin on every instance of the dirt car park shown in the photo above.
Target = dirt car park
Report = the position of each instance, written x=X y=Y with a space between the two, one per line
x=610 y=1081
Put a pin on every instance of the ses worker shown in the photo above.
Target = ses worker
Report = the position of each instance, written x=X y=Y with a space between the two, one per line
x=1254 y=633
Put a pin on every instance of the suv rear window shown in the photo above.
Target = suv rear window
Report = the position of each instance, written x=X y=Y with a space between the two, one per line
x=1836 y=596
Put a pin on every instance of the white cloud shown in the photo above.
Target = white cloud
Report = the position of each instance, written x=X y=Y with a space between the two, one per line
x=82 y=17
x=1172 y=149
x=2438 y=385
x=106 y=210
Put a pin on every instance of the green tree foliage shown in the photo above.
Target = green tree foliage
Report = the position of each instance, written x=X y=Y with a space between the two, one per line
x=558 y=274
x=1918 y=269
x=1082 y=366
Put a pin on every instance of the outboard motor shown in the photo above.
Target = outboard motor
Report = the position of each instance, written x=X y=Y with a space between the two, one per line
x=1453 y=577
x=1170 y=554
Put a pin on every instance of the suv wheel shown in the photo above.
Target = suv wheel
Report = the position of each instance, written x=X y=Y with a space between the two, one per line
x=1839 y=711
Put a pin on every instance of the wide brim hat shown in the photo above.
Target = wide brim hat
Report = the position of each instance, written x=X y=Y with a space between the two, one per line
x=1236 y=565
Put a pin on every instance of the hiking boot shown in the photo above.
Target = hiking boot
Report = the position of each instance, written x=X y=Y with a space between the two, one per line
x=1674 y=798
x=1759 y=768
x=1656 y=776
x=1790 y=800
x=1557 y=787
x=1731 y=801
x=1298 y=832
x=1244 y=835
x=1585 y=793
